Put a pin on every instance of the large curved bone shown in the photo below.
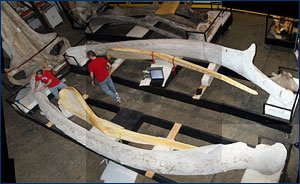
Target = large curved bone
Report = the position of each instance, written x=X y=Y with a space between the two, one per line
x=197 y=161
x=72 y=100
x=129 y=53
x=236 y=60
x=24 y=42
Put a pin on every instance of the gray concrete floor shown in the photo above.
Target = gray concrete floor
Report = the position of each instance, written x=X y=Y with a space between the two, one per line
x=43 y=156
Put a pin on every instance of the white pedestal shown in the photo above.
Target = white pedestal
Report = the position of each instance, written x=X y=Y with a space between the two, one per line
x=252 y=176
x=285 y=113
x=115 y=173
x=207 y=79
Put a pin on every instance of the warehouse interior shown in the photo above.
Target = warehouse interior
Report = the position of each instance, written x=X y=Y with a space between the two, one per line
x=204 y=115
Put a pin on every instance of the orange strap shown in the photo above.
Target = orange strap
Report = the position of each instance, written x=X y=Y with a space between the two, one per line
x=174 y=67
x=153 y=58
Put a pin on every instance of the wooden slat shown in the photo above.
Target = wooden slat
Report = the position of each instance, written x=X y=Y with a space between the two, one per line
x=49 y=124
x=172 y=134
x=197 y=97
x=149 y=174
x=174 y=131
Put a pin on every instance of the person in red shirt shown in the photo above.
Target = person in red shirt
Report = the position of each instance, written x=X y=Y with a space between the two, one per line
x=100 y=68
x=50 y=81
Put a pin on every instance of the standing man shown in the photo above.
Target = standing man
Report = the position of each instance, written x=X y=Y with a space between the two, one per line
x=50 y=81
x=98 y=67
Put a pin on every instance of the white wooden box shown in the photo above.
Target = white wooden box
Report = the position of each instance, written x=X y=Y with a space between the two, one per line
x=275 y=108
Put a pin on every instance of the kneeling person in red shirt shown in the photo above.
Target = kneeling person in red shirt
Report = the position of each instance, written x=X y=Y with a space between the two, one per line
x=50 y=81
x=98 y=67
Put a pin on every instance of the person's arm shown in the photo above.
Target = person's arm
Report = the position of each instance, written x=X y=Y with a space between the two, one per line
x=36 y=86
x=92 y=78
x=46 y=85
x=109 y=66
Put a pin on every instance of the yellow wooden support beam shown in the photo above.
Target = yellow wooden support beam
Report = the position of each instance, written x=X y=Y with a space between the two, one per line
x=123 y=52
x=72 y=100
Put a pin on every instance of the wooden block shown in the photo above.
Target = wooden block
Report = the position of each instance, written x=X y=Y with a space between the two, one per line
x=85 y=96
x=174 y=131
x=62 y=67
x=149 y=174
x=197 y=97
x=49 y=124
x=172 y=134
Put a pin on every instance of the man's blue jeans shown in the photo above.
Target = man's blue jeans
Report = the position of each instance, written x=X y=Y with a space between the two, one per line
x=108 y=87
x=54 y=90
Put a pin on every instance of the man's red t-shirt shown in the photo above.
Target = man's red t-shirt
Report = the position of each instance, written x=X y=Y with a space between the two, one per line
x=46 y=77
x=98 y=67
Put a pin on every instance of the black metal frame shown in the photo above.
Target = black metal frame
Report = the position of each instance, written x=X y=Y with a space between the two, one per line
x=185 y=130
x=294 y=103
x=291 y=110
x=274 y=123
x=188 y=131
x=156 y=177
x=220 y=30
x=290 y=43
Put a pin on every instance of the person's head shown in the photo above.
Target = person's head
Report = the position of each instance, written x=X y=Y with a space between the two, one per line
x=90 y=54
x=40 y=73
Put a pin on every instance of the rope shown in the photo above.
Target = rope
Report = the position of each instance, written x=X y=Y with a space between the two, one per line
x=120 y=135
x=153 y=58
x=174 y=67
x=32 y=56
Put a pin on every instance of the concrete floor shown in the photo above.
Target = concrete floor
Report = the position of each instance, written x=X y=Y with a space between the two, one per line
x=43 y=156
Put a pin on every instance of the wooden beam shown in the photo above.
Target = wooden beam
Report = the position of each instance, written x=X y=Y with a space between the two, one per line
x=131 y=53
x=72 y=100
x=172 y=134
x=174 y=131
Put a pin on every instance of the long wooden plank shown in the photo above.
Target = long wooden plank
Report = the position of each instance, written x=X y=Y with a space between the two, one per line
x=72 y=100
x=174 y=131
x=172 y=134
x=167 y=7
x=131 y=53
